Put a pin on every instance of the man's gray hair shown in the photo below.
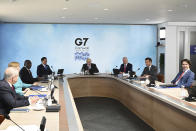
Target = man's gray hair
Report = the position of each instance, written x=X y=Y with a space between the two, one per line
x=124 y=57
x=10 y=72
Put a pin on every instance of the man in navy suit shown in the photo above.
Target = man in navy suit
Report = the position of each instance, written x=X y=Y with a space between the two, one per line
x=9 y=99
x=150 y=70
x=185 y=77
x=125 y=67
x=90 y=67
x=43 y=69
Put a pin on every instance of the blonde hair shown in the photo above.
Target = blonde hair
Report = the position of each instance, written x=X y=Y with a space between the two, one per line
x=13 y=64
x=88 y=59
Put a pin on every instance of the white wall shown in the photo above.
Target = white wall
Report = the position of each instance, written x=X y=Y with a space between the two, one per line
x=171 y=48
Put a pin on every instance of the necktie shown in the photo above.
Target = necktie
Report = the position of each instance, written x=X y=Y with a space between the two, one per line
x=124 y=68
x=180 y=77
x=13 y=88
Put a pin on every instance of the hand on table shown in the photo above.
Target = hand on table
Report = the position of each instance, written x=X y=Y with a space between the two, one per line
x=35 y=83
x=34 y=99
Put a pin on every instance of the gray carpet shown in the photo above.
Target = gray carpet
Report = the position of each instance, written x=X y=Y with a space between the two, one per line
x=105 y=114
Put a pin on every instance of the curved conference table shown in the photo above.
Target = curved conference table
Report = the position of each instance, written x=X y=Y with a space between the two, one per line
x=160 y=109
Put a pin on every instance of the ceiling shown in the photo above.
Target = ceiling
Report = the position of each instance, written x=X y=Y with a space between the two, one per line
x=98 y=11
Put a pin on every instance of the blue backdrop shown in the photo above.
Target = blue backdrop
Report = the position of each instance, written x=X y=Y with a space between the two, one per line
x=106 y=45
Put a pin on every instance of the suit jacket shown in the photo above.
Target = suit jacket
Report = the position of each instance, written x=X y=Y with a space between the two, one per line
x=186 y=80
x=93 y=69
x=41 y=71
x=152 y=72
x=9 y=99
x=26 y=76
x=128 y=68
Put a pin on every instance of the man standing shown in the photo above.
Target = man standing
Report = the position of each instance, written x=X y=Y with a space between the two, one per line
x=9 y=99
x=150 y=70
x=125 y=67
x=43 y=69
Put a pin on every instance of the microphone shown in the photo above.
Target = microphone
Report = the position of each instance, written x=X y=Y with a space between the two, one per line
x=8 y=117
x=133 y=75
x=52 y=69
x=137 y=69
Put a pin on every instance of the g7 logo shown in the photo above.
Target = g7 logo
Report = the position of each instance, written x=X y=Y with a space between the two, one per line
x=80 y=41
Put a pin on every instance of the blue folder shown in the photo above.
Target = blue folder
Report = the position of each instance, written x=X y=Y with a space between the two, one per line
x=36 y=87
x=43 y=95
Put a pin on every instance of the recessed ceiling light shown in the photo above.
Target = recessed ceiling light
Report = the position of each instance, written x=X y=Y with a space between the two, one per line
x=62 y=17
x=96 y=18
x=169 y=10
x=186 y=6
x=106 y=9
x=65 y=8
x=147 y=19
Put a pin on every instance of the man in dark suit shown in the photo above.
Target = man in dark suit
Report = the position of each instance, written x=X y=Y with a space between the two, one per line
x=43 y=69
x=25 y=73
x=9 y=99
x=91 y=68
x=150 y=70
x=185 y=78
x=125 y=67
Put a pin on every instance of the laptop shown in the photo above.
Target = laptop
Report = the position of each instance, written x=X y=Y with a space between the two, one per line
x=116 y=71
x=60 y=72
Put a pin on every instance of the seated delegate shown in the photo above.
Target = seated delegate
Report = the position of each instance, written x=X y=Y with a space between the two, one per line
x=185 y=77
x=9 y=99
x=125 y=67
x=150 y=70
x=43 y=70
x=25 y=73
x=91 y=68
x=19 y=85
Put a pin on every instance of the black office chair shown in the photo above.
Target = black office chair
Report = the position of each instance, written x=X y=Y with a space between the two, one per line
x=192 y=93
x=2 y=118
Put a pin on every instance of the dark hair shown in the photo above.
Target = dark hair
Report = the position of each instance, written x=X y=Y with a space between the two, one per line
x=187 y=61
x=27 y=62
x=43 y=58
x=148 y=58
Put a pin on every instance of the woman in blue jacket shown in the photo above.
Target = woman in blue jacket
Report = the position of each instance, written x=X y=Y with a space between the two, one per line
x=19 y=84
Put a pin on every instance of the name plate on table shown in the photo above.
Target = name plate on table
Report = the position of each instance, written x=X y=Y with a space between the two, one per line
x=169 y=86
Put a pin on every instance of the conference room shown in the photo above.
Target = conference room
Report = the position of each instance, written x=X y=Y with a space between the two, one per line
x=97 y=65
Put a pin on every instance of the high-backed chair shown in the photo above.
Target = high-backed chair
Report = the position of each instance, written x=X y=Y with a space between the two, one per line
x=1 y=119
